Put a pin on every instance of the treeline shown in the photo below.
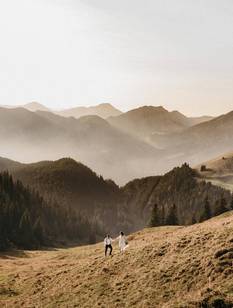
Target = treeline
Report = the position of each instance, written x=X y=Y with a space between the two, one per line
x=220 y=207
x=28 y=221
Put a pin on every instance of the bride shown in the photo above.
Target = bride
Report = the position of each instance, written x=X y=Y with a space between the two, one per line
x=122 y=241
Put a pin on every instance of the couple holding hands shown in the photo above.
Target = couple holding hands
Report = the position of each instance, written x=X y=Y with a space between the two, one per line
x=123 y=243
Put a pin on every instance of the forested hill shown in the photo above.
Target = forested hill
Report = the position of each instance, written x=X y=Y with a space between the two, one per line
x=69 y=183
x=73 y=185
x=28 y=221
x=179 y=197
x=83 y=206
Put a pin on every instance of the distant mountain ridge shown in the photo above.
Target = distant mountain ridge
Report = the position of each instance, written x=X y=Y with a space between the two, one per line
x=201 y=142
x=142 y=142
x=104 y=111
x=147 y=121
x=33 y=136
x=34 y=106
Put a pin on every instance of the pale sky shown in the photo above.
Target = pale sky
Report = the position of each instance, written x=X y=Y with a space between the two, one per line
x=66 y=53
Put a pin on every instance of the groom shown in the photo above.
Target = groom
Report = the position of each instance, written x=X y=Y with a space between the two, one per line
x=108 y=245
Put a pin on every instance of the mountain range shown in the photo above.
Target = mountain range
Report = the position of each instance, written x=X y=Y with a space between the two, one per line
x=102 y=110
x=202 y=142
x=147 y=121
x=142 y=142
x=32 y=136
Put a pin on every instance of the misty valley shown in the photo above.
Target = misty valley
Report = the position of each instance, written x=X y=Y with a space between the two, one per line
x=68 y=178
x=116 y=154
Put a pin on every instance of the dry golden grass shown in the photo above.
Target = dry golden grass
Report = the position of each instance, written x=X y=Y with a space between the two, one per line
x=163 y=267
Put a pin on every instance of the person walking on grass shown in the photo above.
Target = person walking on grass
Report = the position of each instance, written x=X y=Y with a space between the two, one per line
x=123 y=243
x=108 y=245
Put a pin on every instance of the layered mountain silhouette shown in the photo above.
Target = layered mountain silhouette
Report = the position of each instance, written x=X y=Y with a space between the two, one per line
x=142 y=142
x=201 y=142
x=147 y=121
x=32 y=136
x=34 y=106
x=102 y=110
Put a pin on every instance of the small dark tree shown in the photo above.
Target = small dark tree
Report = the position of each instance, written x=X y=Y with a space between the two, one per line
x=203 y=168
x=172 y=219
x=155 y=221
x=206 y=213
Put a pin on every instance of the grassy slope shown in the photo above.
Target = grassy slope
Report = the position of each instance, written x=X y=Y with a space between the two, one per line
x=219 y=171
x=163 y=267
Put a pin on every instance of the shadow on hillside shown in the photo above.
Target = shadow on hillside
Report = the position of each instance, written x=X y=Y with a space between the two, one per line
x=13 y=254
x=18 y=253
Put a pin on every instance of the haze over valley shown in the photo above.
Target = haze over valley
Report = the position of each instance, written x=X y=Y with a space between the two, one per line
x=144 y=141
x=116 y=154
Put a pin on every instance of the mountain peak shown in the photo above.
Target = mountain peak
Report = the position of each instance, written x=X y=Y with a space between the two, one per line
x=105 y=105
x=104 y=110
x=151 y=108
x=35 y=106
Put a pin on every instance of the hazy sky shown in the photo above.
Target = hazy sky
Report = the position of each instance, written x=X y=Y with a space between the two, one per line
x=65 y=53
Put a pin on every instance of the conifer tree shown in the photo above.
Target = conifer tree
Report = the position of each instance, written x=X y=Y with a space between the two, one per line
x=154 y=221
x=172 y=219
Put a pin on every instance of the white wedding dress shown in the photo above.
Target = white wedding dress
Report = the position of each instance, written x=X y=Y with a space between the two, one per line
x=122 y=242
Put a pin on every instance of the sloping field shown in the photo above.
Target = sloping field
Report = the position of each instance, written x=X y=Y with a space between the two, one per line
x=162 y=267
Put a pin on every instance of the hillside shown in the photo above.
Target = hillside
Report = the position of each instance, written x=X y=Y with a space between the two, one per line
x=72 y=184
x=146 y=121
x=102 y=110
x=29 y=221
x=8 y=164
x=180 y=197
x=201 y=142
x=169 y=267
x=218 y=171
